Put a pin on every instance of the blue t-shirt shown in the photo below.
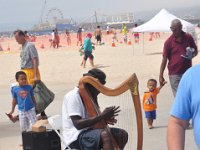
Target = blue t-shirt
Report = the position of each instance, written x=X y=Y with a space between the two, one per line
x=187 y=102
x=87 y=45
x=23 y=96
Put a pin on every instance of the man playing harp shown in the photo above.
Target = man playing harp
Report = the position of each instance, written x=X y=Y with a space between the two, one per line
x=78 y=128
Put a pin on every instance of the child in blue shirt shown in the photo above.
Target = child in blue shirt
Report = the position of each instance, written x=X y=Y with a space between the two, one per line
x=23 y=97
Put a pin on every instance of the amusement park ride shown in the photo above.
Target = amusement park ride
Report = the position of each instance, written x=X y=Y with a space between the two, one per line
x=49 y=18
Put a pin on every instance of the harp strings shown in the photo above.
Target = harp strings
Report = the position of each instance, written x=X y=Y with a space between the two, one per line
x=126 y=119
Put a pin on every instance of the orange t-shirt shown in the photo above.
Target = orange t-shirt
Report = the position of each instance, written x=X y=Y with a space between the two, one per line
x=149 y=100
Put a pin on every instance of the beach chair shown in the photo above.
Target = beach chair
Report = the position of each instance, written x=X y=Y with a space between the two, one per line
x=56 y=123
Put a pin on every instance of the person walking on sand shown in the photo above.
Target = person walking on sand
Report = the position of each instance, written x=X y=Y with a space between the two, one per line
x=29 y=61
x=174 y=50
x=87 y=48
x=150 y=101
x=68 y=37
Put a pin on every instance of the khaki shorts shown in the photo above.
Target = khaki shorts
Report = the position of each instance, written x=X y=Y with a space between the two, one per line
x=174 y=82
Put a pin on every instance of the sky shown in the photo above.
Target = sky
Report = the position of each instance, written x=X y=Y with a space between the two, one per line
x=26 y=13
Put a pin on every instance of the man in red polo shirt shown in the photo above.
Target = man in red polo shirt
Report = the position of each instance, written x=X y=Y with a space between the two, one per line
x=174 y=53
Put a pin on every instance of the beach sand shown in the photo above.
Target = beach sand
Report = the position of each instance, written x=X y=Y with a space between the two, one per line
x=60 y=71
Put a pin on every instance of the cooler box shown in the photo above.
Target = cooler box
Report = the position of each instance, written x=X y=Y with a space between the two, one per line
x=47 y=140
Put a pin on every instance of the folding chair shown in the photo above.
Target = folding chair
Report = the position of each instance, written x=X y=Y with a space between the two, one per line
x=56 y=123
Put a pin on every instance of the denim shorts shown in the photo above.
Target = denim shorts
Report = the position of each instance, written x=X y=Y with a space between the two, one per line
x=150 y=114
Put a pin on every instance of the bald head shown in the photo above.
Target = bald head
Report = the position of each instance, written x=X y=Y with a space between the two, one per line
x=176 y=22
x=176 y=27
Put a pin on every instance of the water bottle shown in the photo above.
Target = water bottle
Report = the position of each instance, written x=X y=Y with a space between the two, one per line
x=189 y=52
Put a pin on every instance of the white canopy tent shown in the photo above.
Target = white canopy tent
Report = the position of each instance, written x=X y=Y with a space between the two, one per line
x=161 y=22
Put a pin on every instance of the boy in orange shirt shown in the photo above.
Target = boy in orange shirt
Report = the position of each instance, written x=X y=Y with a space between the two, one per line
x=149 y=101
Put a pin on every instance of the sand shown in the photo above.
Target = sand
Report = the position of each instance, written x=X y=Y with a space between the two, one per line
x=60 y=71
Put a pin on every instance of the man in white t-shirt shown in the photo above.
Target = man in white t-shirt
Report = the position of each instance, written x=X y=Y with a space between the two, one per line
x=77 y=126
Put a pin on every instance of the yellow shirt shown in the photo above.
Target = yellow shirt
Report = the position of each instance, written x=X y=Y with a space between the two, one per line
x=124 y=30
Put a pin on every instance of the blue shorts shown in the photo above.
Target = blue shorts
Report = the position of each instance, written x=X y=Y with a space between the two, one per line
x=150 y=114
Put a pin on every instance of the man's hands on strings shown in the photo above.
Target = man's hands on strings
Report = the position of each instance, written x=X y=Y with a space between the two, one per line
x=110 y=113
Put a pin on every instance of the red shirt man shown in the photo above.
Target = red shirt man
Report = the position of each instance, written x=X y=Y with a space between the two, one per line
x=174 y=47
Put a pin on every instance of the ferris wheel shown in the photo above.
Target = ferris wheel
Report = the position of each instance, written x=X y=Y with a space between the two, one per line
x=53 y=16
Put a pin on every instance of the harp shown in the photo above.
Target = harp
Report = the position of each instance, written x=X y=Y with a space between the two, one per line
x=130 y=84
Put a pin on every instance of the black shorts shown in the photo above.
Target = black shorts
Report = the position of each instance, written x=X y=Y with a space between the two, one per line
x=98 y=37
x=88 y=54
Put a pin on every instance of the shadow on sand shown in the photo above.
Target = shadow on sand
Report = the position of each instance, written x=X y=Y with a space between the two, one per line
x=9 y=129
x=157 y=127
x=100 y=66
x=156 y=53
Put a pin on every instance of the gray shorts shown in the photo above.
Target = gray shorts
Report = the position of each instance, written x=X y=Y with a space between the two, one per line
x=174 y=82
x=91 y=139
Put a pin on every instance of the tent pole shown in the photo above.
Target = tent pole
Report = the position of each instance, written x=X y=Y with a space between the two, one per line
x=133 y=47
x=143 y=44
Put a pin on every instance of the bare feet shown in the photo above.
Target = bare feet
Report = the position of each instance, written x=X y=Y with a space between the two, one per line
x=150 y=126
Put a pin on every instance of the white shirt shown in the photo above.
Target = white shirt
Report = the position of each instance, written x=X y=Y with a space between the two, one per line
x=107 y=28
x=72 y=105
x=53 y=35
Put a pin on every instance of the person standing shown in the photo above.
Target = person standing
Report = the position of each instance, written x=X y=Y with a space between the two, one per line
x=29 y=60
x=68 y=37
x=114 y=34
x=52 y=39
x=23 y=96
x=136 y=35
x=57 y=38
x=98 y=35
x=174 y=48
x=185 y=108
x=124 y=32
x=79 y=36
x=108 y=30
